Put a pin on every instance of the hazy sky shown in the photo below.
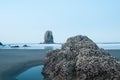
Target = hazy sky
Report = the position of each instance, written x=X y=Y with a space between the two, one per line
x=27 y=20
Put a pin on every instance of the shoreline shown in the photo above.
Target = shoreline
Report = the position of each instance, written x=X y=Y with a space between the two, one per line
x=31 y=57
x=12 y=67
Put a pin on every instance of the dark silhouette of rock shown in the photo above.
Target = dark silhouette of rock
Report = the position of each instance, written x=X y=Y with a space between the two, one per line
x=80 y=59
x=1 y=43
x=48 y=37
x=16 y=46
x=26 y=45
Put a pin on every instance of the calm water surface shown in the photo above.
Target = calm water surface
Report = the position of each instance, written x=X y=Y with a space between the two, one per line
x=31 y=74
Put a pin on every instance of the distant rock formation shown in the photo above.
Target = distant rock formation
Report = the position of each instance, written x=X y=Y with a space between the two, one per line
x=80 y=59
x=1 y=43
x=26 y=45
x=15 y=46
x=48 y=37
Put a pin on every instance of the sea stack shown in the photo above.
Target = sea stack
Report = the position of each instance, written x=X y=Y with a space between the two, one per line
x=80 y=59
x=48 y=37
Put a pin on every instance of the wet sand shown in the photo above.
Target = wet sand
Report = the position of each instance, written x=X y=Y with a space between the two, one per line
x=15 y=61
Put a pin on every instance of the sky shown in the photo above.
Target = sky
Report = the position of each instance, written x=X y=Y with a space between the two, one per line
x=25 y=21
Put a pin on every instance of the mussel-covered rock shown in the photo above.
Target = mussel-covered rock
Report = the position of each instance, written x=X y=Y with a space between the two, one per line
x=80 y=59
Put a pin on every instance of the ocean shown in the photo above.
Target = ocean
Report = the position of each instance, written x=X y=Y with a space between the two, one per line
x=30 y=46
x=52 y=46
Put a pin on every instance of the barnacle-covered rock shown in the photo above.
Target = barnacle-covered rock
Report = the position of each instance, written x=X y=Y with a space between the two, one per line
x=80 y=59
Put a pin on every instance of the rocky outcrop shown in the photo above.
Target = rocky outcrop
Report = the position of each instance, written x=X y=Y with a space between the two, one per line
x=1 y=43
x=15 y=46
x=80 y=59
x=48 y=37
x=26 y=45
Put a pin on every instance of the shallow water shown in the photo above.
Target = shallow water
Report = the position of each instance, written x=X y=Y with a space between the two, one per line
x=54 y=46
x=109 y=46
x=31 y=46
x=31 y=74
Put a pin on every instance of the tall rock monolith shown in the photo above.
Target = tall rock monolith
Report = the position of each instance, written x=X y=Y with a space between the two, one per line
x=48 y=37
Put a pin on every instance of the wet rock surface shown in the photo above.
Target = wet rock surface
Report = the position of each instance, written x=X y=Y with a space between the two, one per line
x=48 y=37
x=80 y=59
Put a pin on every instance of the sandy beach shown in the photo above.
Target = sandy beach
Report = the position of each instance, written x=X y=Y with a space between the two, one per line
x=15 y=61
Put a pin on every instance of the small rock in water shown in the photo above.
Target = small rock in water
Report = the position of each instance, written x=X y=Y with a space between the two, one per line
x=48 y=37
x=80 y=59
x=1 y=43
x=25 y=45
x=16 y=46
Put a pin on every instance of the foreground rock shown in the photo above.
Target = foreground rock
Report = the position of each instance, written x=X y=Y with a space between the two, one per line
x=48 y=37
x=80 y=59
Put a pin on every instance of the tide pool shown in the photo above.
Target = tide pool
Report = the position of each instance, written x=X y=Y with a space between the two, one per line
x=31 y=74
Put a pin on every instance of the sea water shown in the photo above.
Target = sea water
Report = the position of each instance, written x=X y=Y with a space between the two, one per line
x=31 y=46
x=53 y=46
